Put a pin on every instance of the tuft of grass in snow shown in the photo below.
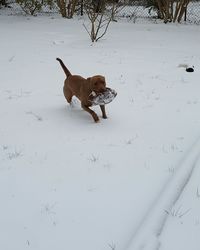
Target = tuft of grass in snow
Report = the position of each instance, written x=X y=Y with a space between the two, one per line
x=146 y=166
x=49 y=208
x=171 y=170
x=112 y=246
x=5 y=147
x=132 y=101
x=198 y=193
x=11 y=58
x=94 y=158
x=121 y=80
x=177 y=212
x=107 y=166
x=14 y=154
x=197 y=222
x=20 y=94
x=131 y=140
x=172 y=148
x=39 y=118
x=183 y=65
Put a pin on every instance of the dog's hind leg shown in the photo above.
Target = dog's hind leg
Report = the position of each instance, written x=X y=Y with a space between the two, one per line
x=68 y=94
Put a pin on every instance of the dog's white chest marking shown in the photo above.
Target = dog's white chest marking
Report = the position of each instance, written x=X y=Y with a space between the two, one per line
x=93 y=94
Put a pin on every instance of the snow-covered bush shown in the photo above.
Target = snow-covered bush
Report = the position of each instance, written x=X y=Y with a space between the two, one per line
x=172 y=11
x=3 y=3
x=30 y=6
x=100 y=13
x=68 y=8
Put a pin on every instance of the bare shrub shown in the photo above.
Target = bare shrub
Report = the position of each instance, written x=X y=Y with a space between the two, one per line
x=3 y=3
x=30 y=6
x=172 y=11
x=100 y=13
x=67 y=8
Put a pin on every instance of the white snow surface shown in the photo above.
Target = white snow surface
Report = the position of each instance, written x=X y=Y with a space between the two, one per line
x=131 y=181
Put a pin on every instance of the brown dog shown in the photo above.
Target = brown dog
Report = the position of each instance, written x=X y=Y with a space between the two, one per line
x=83 y=89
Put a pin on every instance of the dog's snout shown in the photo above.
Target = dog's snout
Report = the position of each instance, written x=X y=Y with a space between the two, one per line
x=103 y=89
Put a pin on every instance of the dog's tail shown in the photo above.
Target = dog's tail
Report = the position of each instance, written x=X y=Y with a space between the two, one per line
x=67 y=72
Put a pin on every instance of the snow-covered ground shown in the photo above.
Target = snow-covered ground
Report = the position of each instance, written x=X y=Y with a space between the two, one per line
x=128 y=182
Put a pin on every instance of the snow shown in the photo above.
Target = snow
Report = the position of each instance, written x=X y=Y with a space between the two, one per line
x=182 y=225
x=68 y=183
x=154 y=222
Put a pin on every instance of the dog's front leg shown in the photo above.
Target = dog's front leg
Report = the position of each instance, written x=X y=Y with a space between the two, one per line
x=103 y=111
x=94 y=115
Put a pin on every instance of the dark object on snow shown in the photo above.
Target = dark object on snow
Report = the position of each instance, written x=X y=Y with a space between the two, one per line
x=190 y=69
x=103 y=98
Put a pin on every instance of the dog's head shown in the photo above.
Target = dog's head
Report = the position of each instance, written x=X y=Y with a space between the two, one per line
x=97 y=83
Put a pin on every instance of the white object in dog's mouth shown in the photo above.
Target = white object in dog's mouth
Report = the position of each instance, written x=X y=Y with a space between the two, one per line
x=104 y=98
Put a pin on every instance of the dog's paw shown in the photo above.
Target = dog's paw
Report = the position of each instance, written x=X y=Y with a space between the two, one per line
x=96 y=118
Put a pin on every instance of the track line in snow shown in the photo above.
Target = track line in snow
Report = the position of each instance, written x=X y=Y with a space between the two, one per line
x=147 y=234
